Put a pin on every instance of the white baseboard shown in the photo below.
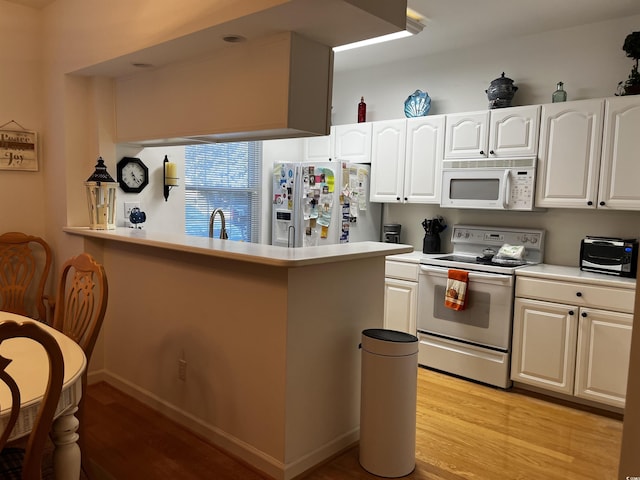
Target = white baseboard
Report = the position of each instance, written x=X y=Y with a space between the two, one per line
x=221 y=439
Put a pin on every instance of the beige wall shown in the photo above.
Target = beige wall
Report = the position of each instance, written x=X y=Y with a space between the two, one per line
x=22 y=196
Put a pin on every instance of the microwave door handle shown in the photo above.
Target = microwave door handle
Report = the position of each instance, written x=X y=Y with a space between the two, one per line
x=507 y=187
x=291 y=236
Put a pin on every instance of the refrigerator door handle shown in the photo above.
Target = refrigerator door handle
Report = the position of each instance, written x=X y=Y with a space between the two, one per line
x=291 y=236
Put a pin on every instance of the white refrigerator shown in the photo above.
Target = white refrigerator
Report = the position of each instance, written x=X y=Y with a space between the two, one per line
x=323 y=203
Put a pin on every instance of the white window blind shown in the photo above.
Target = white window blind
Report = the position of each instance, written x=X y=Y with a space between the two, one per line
x=226 y=176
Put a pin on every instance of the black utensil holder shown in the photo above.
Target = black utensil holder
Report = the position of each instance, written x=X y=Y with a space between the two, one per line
x=431 y=243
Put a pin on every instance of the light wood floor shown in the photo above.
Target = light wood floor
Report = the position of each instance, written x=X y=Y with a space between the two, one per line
x=465 y=431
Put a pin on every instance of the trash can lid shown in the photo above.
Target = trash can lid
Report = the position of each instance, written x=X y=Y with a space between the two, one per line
x=389 y=342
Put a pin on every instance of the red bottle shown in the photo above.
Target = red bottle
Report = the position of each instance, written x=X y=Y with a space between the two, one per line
x=362 y=111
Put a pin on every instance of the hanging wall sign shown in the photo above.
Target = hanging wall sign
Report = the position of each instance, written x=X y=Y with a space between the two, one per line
x=18 y=150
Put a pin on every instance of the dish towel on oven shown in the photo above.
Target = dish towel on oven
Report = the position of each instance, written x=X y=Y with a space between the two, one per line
x=456 y=292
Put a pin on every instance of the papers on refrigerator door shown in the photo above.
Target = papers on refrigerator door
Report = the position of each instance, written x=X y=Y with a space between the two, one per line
x=354 y=188
x=318 y=187
x=283 y=191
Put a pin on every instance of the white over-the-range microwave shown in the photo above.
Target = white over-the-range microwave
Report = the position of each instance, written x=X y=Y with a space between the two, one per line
x=495 y=184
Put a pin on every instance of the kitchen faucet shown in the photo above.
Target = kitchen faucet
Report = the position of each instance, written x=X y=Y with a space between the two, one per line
x=223 y=230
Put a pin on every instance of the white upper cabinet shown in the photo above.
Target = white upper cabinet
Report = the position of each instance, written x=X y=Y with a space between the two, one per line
x=406 y=160
x=569 y=154
x=387 y=160
x=620 y=165
x=352 y=142
x=513 y=132
x=588 y=154
x=423 y=159
x=318 y=149
x=504 y=132
x=466 y=135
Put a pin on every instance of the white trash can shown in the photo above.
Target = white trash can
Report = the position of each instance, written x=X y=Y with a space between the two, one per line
x=388 y=402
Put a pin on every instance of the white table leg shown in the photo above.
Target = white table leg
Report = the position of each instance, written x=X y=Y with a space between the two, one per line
x=66 y=455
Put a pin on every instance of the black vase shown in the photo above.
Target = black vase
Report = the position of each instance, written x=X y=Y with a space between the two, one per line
x=431 y=243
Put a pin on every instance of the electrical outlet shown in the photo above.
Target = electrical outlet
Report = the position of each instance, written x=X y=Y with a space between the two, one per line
x=128 y=206
x=182 y=369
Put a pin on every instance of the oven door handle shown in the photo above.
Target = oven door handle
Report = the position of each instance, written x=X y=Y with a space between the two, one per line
x=426 y=269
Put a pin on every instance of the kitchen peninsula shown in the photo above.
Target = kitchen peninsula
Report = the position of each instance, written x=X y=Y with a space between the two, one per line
x=254 y=347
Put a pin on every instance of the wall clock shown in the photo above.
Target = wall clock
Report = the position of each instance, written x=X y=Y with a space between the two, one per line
x=133 y=175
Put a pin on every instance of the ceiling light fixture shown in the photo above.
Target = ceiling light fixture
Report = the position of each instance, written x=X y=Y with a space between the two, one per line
x=234 y=38
x=414 y=26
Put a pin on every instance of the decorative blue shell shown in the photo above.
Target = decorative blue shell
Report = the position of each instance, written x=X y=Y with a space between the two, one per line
x=417 y=104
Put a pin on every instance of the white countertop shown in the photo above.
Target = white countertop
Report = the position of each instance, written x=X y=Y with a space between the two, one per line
x=543 y=270
x=243 y=251
x=574 y=274
x=410 y=257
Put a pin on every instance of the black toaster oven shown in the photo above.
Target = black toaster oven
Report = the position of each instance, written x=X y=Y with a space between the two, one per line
x=614 y=256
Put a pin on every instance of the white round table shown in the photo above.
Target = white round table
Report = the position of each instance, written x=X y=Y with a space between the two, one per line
x=31 y=377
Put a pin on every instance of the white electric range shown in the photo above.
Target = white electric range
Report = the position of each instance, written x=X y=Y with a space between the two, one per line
x=474 y=343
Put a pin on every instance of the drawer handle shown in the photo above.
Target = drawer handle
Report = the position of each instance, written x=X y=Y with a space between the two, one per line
x=571 y=312
x=578 y=294
x=584 y=314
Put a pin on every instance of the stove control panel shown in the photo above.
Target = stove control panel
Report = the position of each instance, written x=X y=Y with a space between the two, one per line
x=472 y=238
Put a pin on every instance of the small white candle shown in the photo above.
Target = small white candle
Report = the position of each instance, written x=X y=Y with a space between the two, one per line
x=171 y=173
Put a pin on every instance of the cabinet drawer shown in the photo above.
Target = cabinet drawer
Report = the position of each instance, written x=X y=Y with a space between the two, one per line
x=608 y=298
x=402 y=270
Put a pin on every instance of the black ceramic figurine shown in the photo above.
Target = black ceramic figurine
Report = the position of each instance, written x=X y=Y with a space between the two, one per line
x=137 y=217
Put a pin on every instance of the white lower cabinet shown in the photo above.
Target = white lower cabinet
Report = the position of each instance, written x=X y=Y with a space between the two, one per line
x=544 y=344
x=562 y=344
x=401 y=296
x=602 y=359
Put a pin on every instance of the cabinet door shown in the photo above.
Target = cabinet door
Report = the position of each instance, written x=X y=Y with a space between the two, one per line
x=400 y=303
x=604 y=343
x=466 y=135
x=569 y=154
x=620 y=168
x=352 y=143
x=513 y=132
x=544 y=344
x=423 y=161
x=317 y=149
x=387 y=161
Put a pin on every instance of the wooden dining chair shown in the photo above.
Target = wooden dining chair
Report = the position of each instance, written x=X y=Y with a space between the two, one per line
x=26 y=464
x=81 y=302
x=25 y=261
